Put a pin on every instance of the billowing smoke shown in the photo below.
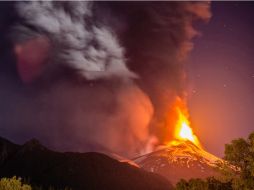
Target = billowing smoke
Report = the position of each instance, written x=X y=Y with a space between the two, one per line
x=94 y=76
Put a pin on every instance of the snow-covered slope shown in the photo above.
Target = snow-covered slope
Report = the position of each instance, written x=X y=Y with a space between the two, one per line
x=181 y=159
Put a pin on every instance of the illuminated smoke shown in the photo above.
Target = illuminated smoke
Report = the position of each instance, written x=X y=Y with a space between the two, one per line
x=109 y=74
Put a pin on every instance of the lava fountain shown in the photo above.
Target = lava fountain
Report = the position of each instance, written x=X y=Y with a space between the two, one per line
x=183 y=130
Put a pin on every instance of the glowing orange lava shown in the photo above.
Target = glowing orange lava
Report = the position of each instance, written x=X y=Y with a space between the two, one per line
x=183 y=131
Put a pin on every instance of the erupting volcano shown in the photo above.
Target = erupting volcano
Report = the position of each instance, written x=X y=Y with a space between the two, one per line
x=97 y=83
x=183 y=157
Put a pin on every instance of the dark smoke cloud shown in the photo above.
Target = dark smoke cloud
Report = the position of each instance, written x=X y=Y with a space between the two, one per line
x=101 y=75
x=157 y=37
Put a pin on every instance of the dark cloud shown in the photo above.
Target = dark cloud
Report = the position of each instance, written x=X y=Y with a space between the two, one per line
x=157 y=38
x=100 y=73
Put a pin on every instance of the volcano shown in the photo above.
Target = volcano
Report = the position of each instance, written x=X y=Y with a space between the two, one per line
x=181 y=160
x=184 y=157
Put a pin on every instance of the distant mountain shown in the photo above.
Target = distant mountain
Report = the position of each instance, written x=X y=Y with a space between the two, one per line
x=79 y=171
x=181 y=159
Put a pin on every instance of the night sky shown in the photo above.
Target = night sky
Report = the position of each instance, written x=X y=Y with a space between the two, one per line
x=221 y=74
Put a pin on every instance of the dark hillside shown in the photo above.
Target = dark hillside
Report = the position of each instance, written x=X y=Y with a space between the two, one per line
x=76 y=170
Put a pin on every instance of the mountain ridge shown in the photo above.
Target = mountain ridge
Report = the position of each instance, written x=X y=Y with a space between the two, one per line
x=79 y=171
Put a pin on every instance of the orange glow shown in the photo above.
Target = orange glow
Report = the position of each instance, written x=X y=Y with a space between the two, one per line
x=186 y=132
x=183 y=131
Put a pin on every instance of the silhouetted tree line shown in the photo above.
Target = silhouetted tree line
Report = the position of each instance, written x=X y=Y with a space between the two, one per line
x=15 y=183
x=240 y=153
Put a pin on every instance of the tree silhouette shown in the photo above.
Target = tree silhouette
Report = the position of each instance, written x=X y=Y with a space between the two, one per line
x=13 y=184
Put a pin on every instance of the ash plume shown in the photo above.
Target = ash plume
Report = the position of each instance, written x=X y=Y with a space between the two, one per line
x=81 y=43
x=86 y=76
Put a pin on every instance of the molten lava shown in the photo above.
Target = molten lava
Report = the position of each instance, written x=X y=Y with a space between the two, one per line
x=186 y=132
x=183 y=131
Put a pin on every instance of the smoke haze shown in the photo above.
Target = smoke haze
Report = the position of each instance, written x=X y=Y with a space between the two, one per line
x=86 y=76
